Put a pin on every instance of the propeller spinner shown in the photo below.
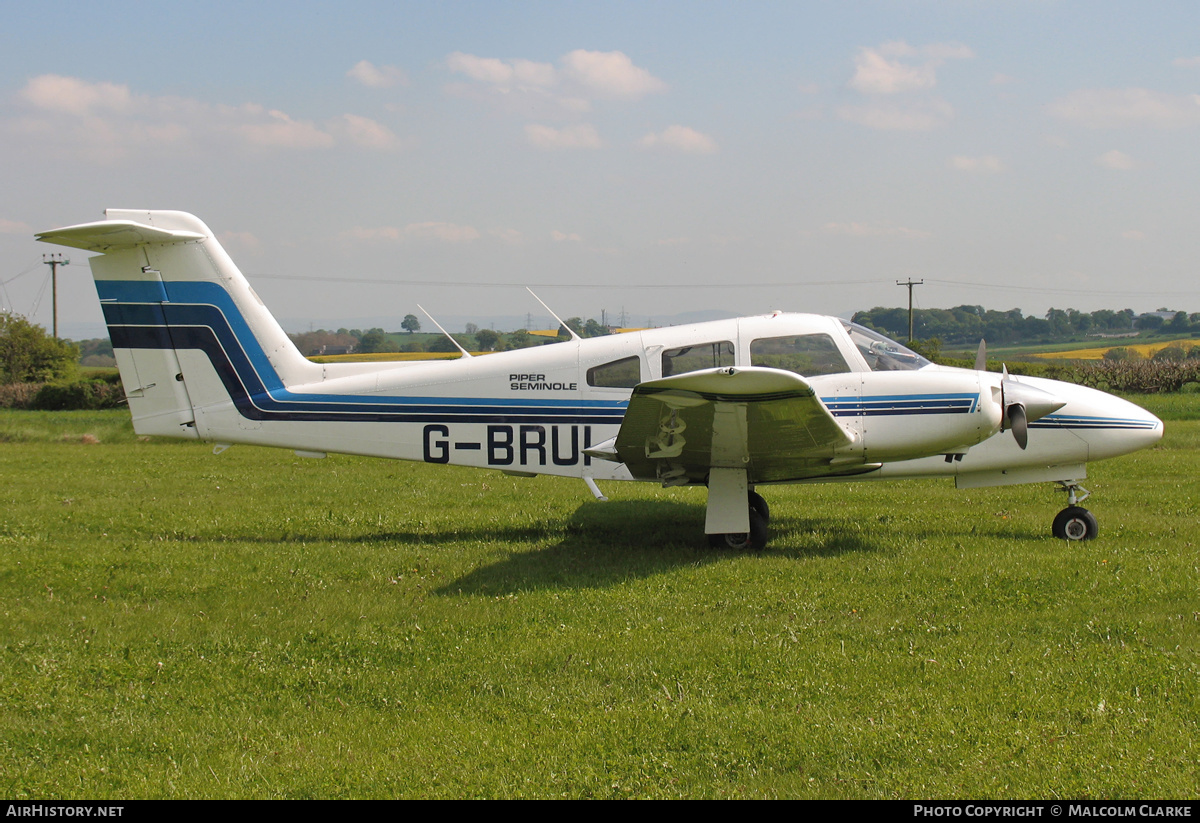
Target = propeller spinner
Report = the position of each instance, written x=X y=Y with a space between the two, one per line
x=1023 y=404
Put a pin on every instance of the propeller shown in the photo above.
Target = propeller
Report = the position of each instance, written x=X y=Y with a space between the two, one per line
x=1023 y=404
x=1018 y=424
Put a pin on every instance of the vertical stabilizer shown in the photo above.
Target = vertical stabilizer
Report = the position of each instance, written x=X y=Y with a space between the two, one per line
x=179 y=313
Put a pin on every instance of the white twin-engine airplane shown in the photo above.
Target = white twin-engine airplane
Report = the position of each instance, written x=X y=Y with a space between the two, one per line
x=731 y=404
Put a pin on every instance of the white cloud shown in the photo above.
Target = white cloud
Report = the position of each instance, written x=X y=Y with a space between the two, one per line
x=986 y=164
x=1133 y=234
x=377 y=77
x=14 y=227
x=874 y=230
x=244 y=240
x=278 y=130
x=365 y=132
x=563 y=237
x=503 y=74
x=680 y=138
x=921 y=115
x=70 y=95
x=611 y=74
x=1116 y=160
x=522 y=86
x=442 y=232
x=1116 y=108
x=105 y=122
x=582 y=136
x=1186 y=62
x=890 y=69
x=875 y=74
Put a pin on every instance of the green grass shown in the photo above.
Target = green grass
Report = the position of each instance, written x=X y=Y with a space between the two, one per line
x=178 y=624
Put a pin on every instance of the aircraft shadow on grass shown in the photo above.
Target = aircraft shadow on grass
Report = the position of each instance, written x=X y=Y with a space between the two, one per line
x=611 y=543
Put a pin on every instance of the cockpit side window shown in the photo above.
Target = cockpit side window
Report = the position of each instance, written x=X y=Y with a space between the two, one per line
x=618 y=374
x=694 y=358
x=805 y=354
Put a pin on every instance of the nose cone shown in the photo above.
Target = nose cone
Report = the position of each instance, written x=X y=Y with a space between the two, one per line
x=1110 y=425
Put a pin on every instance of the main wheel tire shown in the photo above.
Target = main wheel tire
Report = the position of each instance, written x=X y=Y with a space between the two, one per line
x=1075 y=523
x=758 y=504
x=753 y=540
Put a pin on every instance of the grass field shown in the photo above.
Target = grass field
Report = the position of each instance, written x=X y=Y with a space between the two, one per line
x=177 y=624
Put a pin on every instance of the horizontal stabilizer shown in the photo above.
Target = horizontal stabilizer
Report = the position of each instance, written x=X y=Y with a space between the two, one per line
x=110 y=235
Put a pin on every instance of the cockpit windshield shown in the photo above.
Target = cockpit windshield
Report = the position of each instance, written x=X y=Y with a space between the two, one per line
x=881 y=353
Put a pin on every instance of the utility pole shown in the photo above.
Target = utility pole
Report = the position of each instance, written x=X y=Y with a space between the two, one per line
x=54 y=261
x=910 y=283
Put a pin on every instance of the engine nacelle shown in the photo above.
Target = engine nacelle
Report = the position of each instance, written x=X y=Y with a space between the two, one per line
x=906 y=415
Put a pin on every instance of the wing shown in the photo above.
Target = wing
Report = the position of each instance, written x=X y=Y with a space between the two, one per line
x=766 y=421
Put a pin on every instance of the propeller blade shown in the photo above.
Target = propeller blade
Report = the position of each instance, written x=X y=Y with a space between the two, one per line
x=1018 y=424
x=981 y=356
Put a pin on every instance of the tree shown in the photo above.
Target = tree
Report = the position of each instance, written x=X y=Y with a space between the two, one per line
x=441 y=344
x=376 y=340
x=29 y=355
x=487 y=339
x=1151 y=322
x=471 y=328
x=522 y=339
x=411 y=323
x=575 y=324
x=593 y=329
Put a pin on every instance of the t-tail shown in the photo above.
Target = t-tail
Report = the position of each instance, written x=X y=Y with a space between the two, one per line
x=173 y=299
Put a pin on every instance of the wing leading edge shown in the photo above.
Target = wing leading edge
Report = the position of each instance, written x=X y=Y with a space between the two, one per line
x=767 y=422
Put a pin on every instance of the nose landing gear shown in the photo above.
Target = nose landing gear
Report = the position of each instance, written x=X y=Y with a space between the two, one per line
x=1075 y=522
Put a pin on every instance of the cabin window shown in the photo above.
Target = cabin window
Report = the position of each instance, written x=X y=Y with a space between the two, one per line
x=619 y=374
x=694 y=358
x=805 y=354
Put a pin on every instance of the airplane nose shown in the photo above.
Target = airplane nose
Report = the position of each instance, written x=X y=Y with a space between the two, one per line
x=1131 y=429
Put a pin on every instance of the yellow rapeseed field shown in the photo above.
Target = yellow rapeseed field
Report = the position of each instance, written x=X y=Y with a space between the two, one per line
x=1144 y=349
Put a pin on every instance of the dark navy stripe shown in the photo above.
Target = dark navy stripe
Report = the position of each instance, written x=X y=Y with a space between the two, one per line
x=902 y=404
x=1062 y=421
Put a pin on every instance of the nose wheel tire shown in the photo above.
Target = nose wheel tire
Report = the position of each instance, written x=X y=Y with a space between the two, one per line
x=1075 y=523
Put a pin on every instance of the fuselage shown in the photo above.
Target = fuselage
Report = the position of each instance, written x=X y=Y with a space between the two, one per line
x=537 y=410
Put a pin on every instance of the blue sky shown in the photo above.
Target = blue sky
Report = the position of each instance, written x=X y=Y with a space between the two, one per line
x=648 y=157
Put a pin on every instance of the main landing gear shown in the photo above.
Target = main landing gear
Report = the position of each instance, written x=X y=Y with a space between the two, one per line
x=1075 y=522
x=756 y=538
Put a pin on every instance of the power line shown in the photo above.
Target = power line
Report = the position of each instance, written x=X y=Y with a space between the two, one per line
x=741 y=285
x=560 y=285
